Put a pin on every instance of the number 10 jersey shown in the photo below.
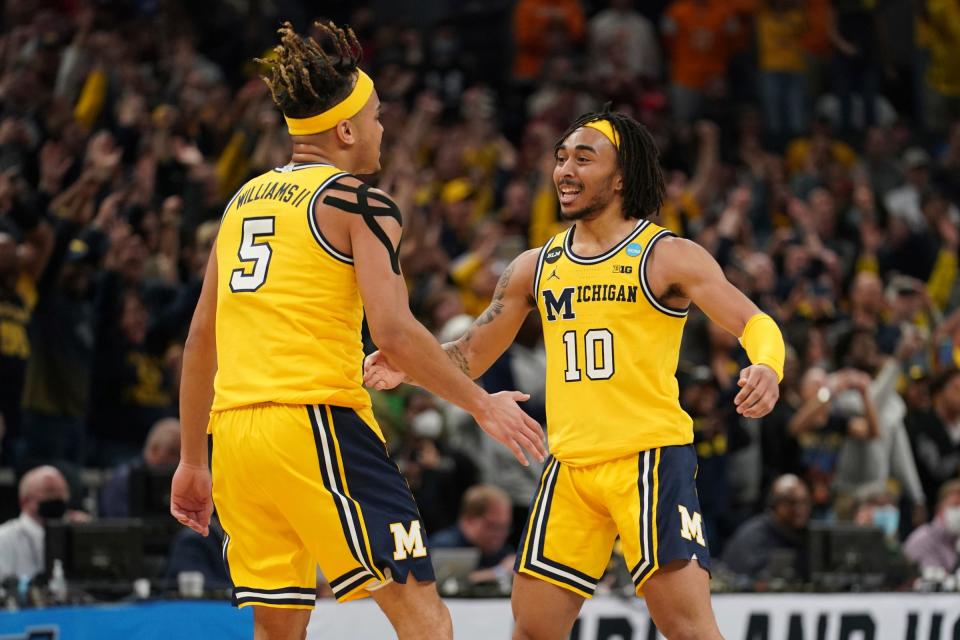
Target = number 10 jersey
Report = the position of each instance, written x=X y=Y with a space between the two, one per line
x=612 y=351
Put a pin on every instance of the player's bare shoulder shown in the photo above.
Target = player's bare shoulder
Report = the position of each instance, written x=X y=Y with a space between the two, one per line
x=349 y=194
x=518 y=277
x=676 y=259
x=348 y=205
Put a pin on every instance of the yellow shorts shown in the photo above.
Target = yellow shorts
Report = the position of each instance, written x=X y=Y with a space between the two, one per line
x=649 y=500
x=301 y=486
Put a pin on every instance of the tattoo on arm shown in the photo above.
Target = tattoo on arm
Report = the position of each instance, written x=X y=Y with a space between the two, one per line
x=496 y=305
x=455 y=349
x=370 y=213
x=457 y=357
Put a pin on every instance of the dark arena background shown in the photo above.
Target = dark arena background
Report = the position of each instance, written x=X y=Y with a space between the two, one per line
x=811 y=146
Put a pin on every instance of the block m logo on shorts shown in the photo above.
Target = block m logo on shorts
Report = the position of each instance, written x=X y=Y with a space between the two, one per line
x=691 y=527
x=407 y=541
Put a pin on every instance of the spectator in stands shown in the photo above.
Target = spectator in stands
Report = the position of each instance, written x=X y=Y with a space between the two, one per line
x=822 y=428
x=876 y=507
x=623 y=46
x=905 y=202
x=438 y=474
x=879 y=164
x=698 y=36
x=542 y=28
x=937 y=544
x=161 y=450
x=942 y=97
x=935 y=434
x=484 y=524
x=868 y=464
x=781 y=531
x=43 y=497
x=854 y=34
x=781 y=26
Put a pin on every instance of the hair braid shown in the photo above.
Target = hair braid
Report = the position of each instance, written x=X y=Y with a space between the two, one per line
x=307 y=77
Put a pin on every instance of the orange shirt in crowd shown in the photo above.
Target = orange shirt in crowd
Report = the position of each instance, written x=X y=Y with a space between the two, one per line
x=538 y=25
x=817 y=38
x=698 y=35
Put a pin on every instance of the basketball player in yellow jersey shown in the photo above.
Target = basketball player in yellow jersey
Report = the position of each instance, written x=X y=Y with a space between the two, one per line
x=613 y=292
x=273 y=370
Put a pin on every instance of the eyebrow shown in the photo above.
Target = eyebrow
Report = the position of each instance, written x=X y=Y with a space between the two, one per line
x=579 y=147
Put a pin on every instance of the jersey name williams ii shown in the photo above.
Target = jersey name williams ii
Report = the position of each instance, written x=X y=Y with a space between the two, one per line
x=612 y=351
x=288 y=308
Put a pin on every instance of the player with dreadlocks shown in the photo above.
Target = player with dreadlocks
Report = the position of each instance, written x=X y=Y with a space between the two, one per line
x=613 y=293
x=272 y=369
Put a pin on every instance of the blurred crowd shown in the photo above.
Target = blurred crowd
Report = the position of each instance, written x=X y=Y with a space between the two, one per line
x=813 y=146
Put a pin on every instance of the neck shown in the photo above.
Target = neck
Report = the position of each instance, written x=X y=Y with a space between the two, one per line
x=606 y=228
x=317 y=148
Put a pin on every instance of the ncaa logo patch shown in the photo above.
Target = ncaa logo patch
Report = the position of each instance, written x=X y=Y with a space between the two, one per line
x=634 y=249
x=554 y=254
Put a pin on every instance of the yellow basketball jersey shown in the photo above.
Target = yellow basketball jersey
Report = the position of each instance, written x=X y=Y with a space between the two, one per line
x=288 y=309
x=612 y=351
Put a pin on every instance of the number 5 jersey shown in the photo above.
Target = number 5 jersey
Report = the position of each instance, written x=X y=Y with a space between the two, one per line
x=288 y=309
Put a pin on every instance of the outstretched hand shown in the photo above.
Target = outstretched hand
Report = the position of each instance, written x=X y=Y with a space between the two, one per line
x=501 y=417
x=759 y=391
x=504 y=421
x=379 y=374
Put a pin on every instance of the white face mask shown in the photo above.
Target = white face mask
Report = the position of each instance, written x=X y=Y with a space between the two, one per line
x=427 y=424
x=951 y=520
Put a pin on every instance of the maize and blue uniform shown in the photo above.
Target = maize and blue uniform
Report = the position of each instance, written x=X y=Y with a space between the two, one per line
x=301 y=474
x=622 y=461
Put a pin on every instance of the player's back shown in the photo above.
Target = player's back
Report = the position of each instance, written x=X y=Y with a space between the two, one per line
x=288 y=309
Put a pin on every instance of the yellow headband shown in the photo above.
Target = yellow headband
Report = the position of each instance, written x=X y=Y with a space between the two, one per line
x=344 y=110
x=606 y=128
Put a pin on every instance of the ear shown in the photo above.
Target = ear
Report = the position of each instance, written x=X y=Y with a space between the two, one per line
x=346 y=133
x=618 y=181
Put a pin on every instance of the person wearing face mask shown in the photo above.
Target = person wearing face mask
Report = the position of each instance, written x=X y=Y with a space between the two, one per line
x=438 y=474
x=43 y=497
x=937 y=544
x=877 y=508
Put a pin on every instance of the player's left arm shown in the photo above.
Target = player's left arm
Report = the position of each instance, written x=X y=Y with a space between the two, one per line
x=684 y=270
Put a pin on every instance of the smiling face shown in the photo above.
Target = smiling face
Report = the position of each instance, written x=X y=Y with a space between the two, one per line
x=587 y=175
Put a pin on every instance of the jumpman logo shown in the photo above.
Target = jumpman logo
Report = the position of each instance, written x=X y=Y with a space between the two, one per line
x=553 y=275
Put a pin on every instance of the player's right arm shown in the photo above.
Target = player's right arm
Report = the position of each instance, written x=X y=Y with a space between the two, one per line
x=191 y=501
x=374 y=231
x=489 y=336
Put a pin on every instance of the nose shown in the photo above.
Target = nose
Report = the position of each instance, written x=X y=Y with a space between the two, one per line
x=565 y=169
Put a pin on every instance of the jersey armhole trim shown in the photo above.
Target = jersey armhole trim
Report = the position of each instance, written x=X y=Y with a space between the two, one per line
x=539 y=271
x=315 y=229
x=230 y=203
x=645 y=285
